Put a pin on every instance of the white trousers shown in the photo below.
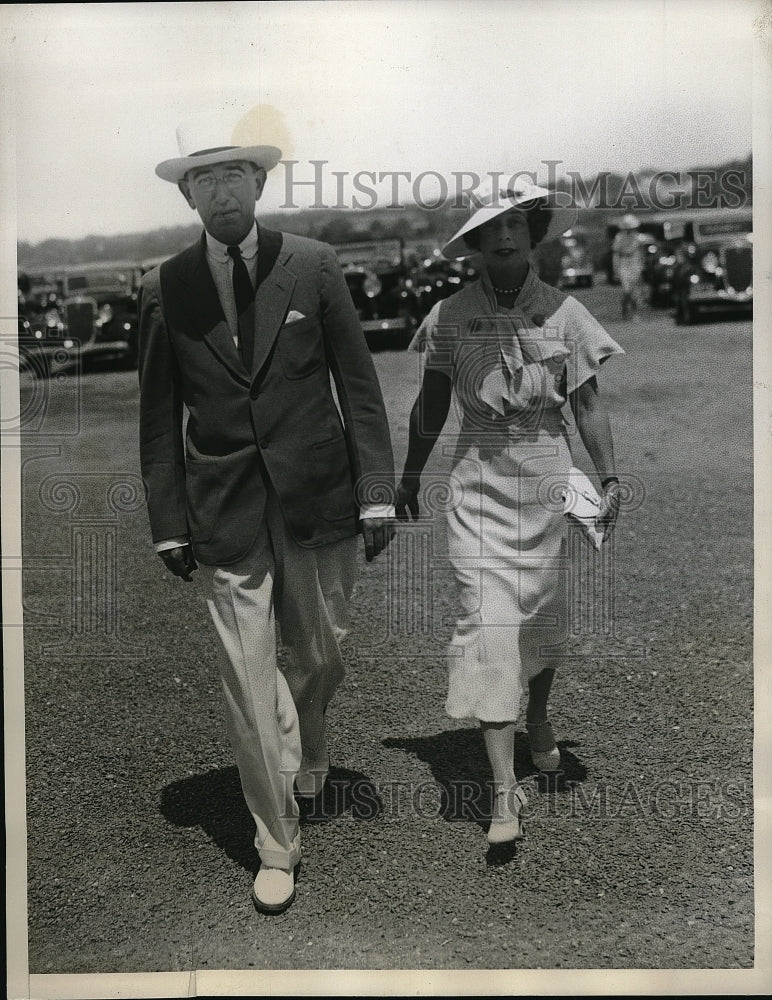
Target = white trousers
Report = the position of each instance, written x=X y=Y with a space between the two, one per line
x=275 y=717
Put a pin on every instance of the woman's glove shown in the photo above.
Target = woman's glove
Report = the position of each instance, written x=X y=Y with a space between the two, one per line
x=606 y=518
x=407 y=498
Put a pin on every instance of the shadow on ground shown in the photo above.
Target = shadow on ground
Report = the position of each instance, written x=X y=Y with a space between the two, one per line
x=214 y=802
x=459 y=765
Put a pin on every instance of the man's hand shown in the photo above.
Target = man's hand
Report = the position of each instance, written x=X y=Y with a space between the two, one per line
x=180 y=561
x=606 y=517
x=377 y=533
x=407 y=500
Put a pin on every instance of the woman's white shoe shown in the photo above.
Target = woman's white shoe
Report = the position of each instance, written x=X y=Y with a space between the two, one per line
x=506 y=823
x=544 y=749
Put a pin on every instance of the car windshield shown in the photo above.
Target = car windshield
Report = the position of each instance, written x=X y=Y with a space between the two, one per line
x=98 y=279
x=380 y=254
x=653 y=229
x=704 y=230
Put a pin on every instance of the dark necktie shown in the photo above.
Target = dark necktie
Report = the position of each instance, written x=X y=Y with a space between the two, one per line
x=244 y=294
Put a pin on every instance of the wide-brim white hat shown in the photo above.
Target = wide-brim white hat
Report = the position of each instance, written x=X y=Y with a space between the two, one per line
x=629 y=221
x=214 y=137
x=493 y=201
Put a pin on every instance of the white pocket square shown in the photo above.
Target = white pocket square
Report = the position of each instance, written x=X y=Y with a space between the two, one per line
x=293 y=316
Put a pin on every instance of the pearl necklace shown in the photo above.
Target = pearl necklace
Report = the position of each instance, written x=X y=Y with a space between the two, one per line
x=506 y=291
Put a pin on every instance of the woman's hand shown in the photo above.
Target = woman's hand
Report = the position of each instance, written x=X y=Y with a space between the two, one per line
x=407 y=499
x=606 y=518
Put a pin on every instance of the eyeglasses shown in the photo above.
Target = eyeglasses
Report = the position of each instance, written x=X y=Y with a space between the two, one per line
x=206 y=183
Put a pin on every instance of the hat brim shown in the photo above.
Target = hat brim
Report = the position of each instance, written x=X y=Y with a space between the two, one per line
x=262 y=156
x=562 y=219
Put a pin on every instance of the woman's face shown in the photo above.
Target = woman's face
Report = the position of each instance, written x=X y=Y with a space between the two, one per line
x=505 y=244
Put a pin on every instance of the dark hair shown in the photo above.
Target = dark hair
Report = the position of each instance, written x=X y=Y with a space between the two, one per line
x=538 y=217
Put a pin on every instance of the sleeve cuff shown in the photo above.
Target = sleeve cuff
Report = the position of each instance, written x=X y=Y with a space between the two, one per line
x=377 y=510
x=171 y=543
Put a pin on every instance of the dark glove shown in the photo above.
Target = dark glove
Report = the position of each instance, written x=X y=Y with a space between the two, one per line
x=377 y=533
x=180 y=561
x=407 y=499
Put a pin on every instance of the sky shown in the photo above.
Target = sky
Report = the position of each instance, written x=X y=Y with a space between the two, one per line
x=98 y=90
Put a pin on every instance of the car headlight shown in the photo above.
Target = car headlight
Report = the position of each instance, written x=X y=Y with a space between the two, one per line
x=105 y=315
x=372 y=286
x=710 y=262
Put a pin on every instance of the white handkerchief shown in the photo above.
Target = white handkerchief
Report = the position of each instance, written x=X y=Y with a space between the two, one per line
x=581 y=502
x=293 y=316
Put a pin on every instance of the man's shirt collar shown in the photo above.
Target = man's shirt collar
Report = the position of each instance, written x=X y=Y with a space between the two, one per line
x=219 y=251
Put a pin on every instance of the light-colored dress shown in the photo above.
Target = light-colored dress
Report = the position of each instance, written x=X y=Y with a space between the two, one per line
x=628 y=259
x=511 y=372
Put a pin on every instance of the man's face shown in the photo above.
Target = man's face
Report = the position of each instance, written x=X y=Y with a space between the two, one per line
x=225 y=196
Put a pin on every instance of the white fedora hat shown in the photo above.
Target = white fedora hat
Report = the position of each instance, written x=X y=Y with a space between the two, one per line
x=493 y=200
x=214 y=138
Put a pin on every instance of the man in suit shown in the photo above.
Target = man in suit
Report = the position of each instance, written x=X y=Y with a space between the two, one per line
x=273 y=481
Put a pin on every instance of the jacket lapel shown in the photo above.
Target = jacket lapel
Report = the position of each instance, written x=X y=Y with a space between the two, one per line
x=206 y=312
x=275 y=284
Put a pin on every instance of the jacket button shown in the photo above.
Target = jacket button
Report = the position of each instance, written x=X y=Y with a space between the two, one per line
x=263 y=442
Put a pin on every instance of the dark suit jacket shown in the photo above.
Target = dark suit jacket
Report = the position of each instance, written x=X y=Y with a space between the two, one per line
x=279 y=421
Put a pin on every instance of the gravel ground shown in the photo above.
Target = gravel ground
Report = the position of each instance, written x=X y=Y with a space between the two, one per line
x=640 y=857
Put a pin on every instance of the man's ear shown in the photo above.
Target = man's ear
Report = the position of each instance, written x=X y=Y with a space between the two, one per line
x=260 y=180
x=185 y=189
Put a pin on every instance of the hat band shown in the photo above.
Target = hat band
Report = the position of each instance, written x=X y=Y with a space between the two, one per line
x=214 y=149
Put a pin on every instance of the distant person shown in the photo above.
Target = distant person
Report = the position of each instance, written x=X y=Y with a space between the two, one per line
x=628 y=263
x=266 y=491
x=513 y=350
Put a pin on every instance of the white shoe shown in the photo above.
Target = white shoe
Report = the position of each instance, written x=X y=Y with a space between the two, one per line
x=274 y=889
x=544 y=749
x=506 y=824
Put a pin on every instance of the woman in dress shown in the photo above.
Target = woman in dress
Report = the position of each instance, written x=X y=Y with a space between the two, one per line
x=513 y=350
x=628 y=263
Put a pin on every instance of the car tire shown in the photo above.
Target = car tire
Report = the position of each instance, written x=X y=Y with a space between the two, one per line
x=686 y=312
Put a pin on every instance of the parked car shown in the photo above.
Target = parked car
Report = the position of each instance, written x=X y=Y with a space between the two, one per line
x=378 y=277
x=659 y=233
x=92 y=314
x=434 y=278
x=576 y=268
x=663 y=233
x=714 y=266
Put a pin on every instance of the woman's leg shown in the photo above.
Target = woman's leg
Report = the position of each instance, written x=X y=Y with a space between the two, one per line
x=538 y=694
x=499 y=739
x=544 y=749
